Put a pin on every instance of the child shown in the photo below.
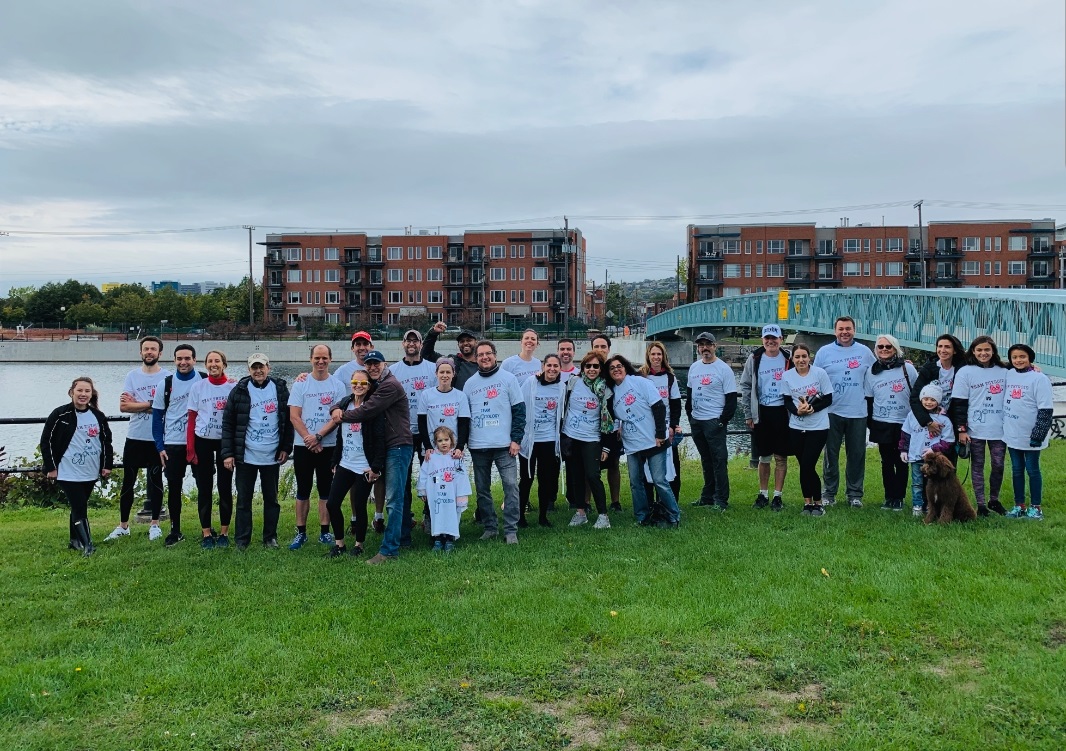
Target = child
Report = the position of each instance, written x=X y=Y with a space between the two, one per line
x=1027 y=414
x=915 y=442
x=444 y=487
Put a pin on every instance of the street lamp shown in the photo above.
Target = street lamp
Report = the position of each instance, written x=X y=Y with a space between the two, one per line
x=162 y=327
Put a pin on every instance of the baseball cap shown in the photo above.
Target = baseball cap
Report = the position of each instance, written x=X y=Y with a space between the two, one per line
x=466 y=334
x=373 y=356
x=412 y=333
x=363 y=335
x=706 y=336
x=258 y=357
x=771 y=329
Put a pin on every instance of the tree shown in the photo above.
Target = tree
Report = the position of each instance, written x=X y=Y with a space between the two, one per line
x=167 y=305
x=127 y=289
x=45 y=304
x=86 y=313
x=129 y=309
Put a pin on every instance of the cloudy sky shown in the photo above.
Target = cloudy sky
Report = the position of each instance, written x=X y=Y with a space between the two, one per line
x=632 y=118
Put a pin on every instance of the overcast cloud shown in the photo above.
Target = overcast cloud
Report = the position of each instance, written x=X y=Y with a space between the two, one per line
x=149 y=115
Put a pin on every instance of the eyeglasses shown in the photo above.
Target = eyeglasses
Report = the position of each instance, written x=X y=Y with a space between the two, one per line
x=614 y=368
x=885 y=346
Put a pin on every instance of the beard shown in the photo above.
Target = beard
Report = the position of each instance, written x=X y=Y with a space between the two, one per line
x=149 y=360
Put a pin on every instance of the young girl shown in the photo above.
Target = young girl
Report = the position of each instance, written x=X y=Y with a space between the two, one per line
x=444 y=487
x=808 y=393
x=1027 y=410
x=917 y=441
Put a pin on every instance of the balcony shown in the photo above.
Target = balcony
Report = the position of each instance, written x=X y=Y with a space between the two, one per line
x=351 y=283
x=946 y=280
x=947 y=253
x=352 y=306
x=376 y=305
x=374 y=283
x=473 y=284
x=709 y=255
x=914 y=254
x=374 y=260
x=275 y=303
x=828 y=255
x=475 y=258
x=274 y=259
x=454 y=283
x=1042 y=251
x=709 y=279
x=454 y=259
x=913 y=280
x=276 y=283
x=831 y=281
x=454 y=305
x=351 y=260
x=799 y=280
x=1036 y=278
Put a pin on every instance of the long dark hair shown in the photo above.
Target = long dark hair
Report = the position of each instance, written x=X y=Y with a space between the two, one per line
x=630 y=370
x=94 y=400
x=542 y=378
x=971 y=358
x=958 y=357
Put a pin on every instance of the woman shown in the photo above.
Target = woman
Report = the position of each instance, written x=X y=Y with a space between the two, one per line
x=544 y=395
x=807 y=392
x=636 y=404
x=977 y=412
x=207 y=401
x=888 y=384
x=586 y=423
x=358 y=461
x=443 y=405
x=941 y=370
x=1027 y=415
x=657 y=370
x=76 y=450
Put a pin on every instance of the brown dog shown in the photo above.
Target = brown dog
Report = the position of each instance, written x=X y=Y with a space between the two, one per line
x=945 y=498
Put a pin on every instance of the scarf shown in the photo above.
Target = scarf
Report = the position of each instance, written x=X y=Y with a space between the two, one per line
x=598 y=386
x=894 y=362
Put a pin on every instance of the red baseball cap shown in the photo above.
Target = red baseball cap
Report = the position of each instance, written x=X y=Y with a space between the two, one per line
x=363 y=335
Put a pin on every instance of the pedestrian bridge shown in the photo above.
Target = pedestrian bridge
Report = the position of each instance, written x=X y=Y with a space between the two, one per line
x=915 y=317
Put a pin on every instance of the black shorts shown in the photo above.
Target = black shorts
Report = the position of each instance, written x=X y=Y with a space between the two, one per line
x=137 y=454
x=311 y=467
x=771 y=431
x=614 y=443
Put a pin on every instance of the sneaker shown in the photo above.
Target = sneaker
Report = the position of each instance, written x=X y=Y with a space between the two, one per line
x=808 y=509
x=117 y=533
x=855 y=503
x=208 y=543
x=222 y=541
x=272 y=543
x=438 y=546
x=241 y=547
x=579 y=519
x=777 y=504
x=818 y=511
x=982 y=509
x=895 y=505
x=664 y=524
x=511 y=538
x=761 y=501
x=378 y=559
x=298 y=541
x=544 y=523
x=154 y=532
x=336 y=552
x=826 y=501
x=917 y=511
x=355 y=550
x=887 y=505
x=326 y=538
x=173 y=538
x=488 y=534
x=602 y=522
x=379 y=526
x=1034 y=513
x=997 y=507
x=702 y=502
x=449 y=546
x=616 y=506
x=721 y=505
x=1018 y=512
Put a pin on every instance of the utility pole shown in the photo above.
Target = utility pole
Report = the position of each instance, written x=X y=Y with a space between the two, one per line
x=566 y=276
x=921 y=242
x=677 y=303
x=251 y=280
x=482 y=292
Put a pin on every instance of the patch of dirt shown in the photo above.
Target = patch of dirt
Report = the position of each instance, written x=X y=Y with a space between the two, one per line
x=710 y=680
x=345 y=719
x=1056 y=635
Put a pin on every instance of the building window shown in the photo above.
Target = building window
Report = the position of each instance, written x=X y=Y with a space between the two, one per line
x=436 y=275
x=333 y=298
x=758 y=270
x=540 y=250
x=395 y=254
x=758 y=247
x=998 y=267
x=1016 y=268
x=775 y=246
x=540 y=295
x=332 y=275
x=747 y=270
x=895 y=268
x=540 y=274
x=375 y=299
x=879 y=270
x=851 y=245
x=293 y=275
x=414 y=254
x=731 y=271
x=294 y=298
x=498 y=251
x=1016 y=242
x=435 y=297
x=747 y=247
x=971 y=243
x=775 y=270
x=294 y=319
x=866 y=245
x=826 y=247
x=852 y=268
x=731 y=292
x=971 y=268
x=395 y=297
x=477 y=276
x=293 y=254
x=497 y=275
x=455 y=297
x=316 y=253
x=330 y=254
x=394 y=319
x=880 y=245
x=514 y=274
x=895 y=245
x=373 y=255
x=455 y=276
x=374 y=277
x=988 y=268
x=731 y=246
x=498 y=296
x=866 y=268
x=395 y=275
x=540 y=319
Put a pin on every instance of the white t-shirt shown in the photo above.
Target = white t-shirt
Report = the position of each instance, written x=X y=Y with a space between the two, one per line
x=176 y=418
x=521 y=369
x=809 y=386
x=314 y=398
x=490 y=401
x=1025 y=394
x=547 y=401
x=945 y=380
x=353 y=456
x=667 y=390
x=582 y=419
x=983 y=389
x=633 y=400
x=442 y=481
x=564 y=375
x=208 y=400
x=708 y=383
x=771 y=371
x=81 y=461
x=443 y=408
x=142 y=385
x=891 y=392
x=415 y=379
x=847 y=368
x=263 y=436
x=345 y=371
x=922 y=439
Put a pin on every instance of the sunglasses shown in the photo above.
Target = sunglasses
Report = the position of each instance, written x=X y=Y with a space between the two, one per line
x=592 y=366
x=360 y=383
x=885 y=346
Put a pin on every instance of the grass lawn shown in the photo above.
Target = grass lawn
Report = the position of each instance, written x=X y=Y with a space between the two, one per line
x=749 y=630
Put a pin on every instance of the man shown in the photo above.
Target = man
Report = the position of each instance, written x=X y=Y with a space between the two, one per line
x=763 y=404
x=602 y=343
x=170 y=419
x=415 y=375
x=465 y=358
x=565 y=350
x=711 y=404
x=524 y=365
x=846 y=362
x=256 y=441
x=139 y=451
x=497 y=423
x=387 y=398
x=312 y=456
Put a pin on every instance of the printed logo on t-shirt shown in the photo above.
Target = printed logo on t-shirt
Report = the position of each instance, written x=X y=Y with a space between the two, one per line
x=448 y=411
x=705 y=380
x=492 y=393
x=897 y=387
x=590 y=404
x=663 y=392
x=550 y=404
x=630 y=398
x=325 y=399
x=420 y=384
x=812 y=391
x=852 y=364
x=220 y=403
x=448 y=476
x=270 y=407
x=354 y=427
x=93 y=431
x=995 y=388
x=1016 y=393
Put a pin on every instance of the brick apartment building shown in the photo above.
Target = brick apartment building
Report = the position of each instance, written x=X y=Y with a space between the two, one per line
x=511 y=276
x=738 y=259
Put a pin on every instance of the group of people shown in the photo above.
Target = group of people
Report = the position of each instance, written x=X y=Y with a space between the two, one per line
x=357 y=432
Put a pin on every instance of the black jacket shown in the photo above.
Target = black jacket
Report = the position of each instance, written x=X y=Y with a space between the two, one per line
x=927 y=374
x=373 y=433
x=238 y=409
x=463 y=368
x=59 y=431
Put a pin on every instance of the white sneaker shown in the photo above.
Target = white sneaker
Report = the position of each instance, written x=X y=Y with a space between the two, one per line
x=917 y=511
x=118 y=532
x=154 y=532
x=579 y=519
x=602 y=522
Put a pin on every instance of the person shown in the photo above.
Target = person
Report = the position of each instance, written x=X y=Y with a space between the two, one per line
x=257 y=437
x=918 y=441
x=887 y=385
x=976 y=410
x=711 y=404
x=941 y=370
x=465 y=359
x=657 y=370
x=203 y=449
x=807 y=393
x=524 y=365
x=312 y=455
x=444 y=487
x=601 y=344
x=444 y=405
x=416 y=376
x=635 y=403
x=764 y=410
x=1027 y=415
x=846 y=361
x=358 y=457
x=76 y=451
x=139 y=451
x=543 y=395
x=586 y=424
x=497 y=424
x=387 y=399
x=170 y=426
x=566 y=349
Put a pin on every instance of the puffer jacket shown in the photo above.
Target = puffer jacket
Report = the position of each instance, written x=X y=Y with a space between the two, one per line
x=387 y=398
x=235 y=418
x=59 y=430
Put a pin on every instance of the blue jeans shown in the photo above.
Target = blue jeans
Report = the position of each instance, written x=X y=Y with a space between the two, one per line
x=656 y=462
x=1024 y=463
x=507 y=466
x=397 y=461
x=917 y=484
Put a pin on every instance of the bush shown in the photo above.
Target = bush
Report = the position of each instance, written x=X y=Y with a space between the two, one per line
x=36 y=489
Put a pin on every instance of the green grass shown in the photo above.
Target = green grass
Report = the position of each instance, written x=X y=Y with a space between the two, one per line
x=723 y=634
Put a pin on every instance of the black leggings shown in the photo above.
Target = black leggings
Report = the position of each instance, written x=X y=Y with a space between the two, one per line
x=343 y=480
x=545 y=465
x=208 y=461
x=312 y=468
x=583 y=468
x=895 y=473
x=135 y=456
x=77 y=494
x=807 y=447
x=177 y=464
